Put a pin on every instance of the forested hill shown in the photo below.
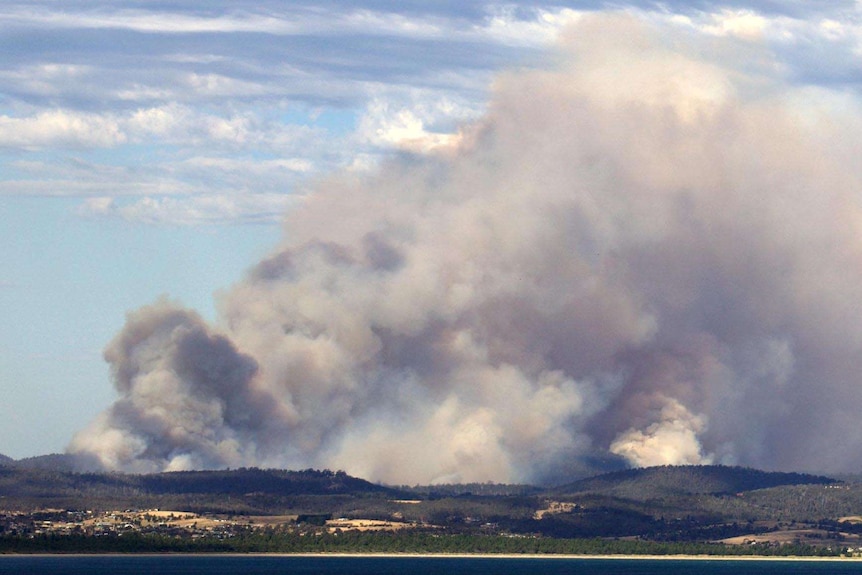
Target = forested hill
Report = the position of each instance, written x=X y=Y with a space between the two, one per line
x=56 y=474
x=651 y=491
x=253 y=480
x=247 y=490
x=655 y=482
x=53 y=462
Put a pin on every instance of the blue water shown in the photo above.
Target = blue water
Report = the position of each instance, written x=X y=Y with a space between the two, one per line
x=254 y=565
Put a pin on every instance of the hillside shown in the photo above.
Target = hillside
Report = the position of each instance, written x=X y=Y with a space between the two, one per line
x=240 y=490
x=656 y=482
x=253 y=480
x=703 y=503
x=57 y=462
x=662 y=504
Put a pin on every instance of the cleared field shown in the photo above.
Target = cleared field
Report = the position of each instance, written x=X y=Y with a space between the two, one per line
x=804 y=536
x=367 y=525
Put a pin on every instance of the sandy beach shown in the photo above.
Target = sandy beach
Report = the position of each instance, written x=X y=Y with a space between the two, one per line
x=567 y=556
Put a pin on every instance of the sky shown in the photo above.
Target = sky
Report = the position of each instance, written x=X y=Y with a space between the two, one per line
x=153 y=150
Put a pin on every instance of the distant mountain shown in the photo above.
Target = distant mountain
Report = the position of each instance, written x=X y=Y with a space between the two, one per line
x=655 y=482
x=240 y=490
x=57 y=462
x=6 y=460
x=262 y=481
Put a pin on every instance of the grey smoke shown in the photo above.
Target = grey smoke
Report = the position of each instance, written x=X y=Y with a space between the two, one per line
x=648 y=253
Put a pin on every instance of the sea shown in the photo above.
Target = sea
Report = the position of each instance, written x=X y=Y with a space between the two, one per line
x=365 y=565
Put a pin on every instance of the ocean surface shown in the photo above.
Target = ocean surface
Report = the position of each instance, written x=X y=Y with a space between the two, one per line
x=331 y=565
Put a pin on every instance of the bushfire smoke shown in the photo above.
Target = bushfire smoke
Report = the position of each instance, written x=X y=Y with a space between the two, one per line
x=649 y=253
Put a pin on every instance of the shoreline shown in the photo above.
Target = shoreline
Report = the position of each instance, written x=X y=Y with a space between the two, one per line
x=567 y=556
x=548 y=556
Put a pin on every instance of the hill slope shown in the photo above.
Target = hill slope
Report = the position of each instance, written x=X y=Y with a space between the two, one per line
x=240 y=490
x=655 y=482
x=253 y=480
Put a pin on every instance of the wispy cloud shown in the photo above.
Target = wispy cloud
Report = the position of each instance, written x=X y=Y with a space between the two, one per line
x=60 y=128
x=228 y=99
x=148 y=21
x=196 y=210
x=504 y=24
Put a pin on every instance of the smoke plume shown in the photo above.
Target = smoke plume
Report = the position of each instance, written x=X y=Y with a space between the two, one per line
x=647 y=253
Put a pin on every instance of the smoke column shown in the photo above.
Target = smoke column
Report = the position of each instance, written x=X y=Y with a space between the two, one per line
x=646 y=253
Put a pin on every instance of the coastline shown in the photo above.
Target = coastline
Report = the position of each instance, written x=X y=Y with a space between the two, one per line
x=548 y=556
x=566 y=556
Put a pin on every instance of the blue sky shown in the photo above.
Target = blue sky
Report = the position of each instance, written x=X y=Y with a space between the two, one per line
x=151 y=148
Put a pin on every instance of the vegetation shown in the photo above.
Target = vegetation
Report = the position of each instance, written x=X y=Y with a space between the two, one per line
x=690 y=509
x=225 y=491
x=657 y=482
x=389 y=542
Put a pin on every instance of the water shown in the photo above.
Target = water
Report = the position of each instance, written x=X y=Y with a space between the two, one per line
x=296 y=565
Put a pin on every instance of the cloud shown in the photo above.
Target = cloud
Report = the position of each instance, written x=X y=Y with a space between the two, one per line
x=59 y=128
x=247 y=176
x=506 y=24
x=405 y=123
x=227 y=165
x=167 y=92
x=745 y=24
x=253 y=208
x=149 y=21
x=170 y=124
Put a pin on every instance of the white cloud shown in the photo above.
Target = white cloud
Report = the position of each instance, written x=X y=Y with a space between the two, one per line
x=200 y=189
x=834 y=30
x=205 y=113
x=94 y=185
x=295 y=22
x=247 y=129
x=374 y=22
x=210 y=85
x=741 y=23
x=400 y=128
x=771 y=29
x=60 y=128
x=195 y=210
x=158 y=121
x=414 y=120
x=149 y=21
x=280 y=165
x=171 y=124
x=503 y=25
x=47 y=79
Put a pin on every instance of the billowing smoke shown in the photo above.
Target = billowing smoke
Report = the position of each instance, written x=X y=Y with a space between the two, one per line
x=670 y=441
x=649 y=253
